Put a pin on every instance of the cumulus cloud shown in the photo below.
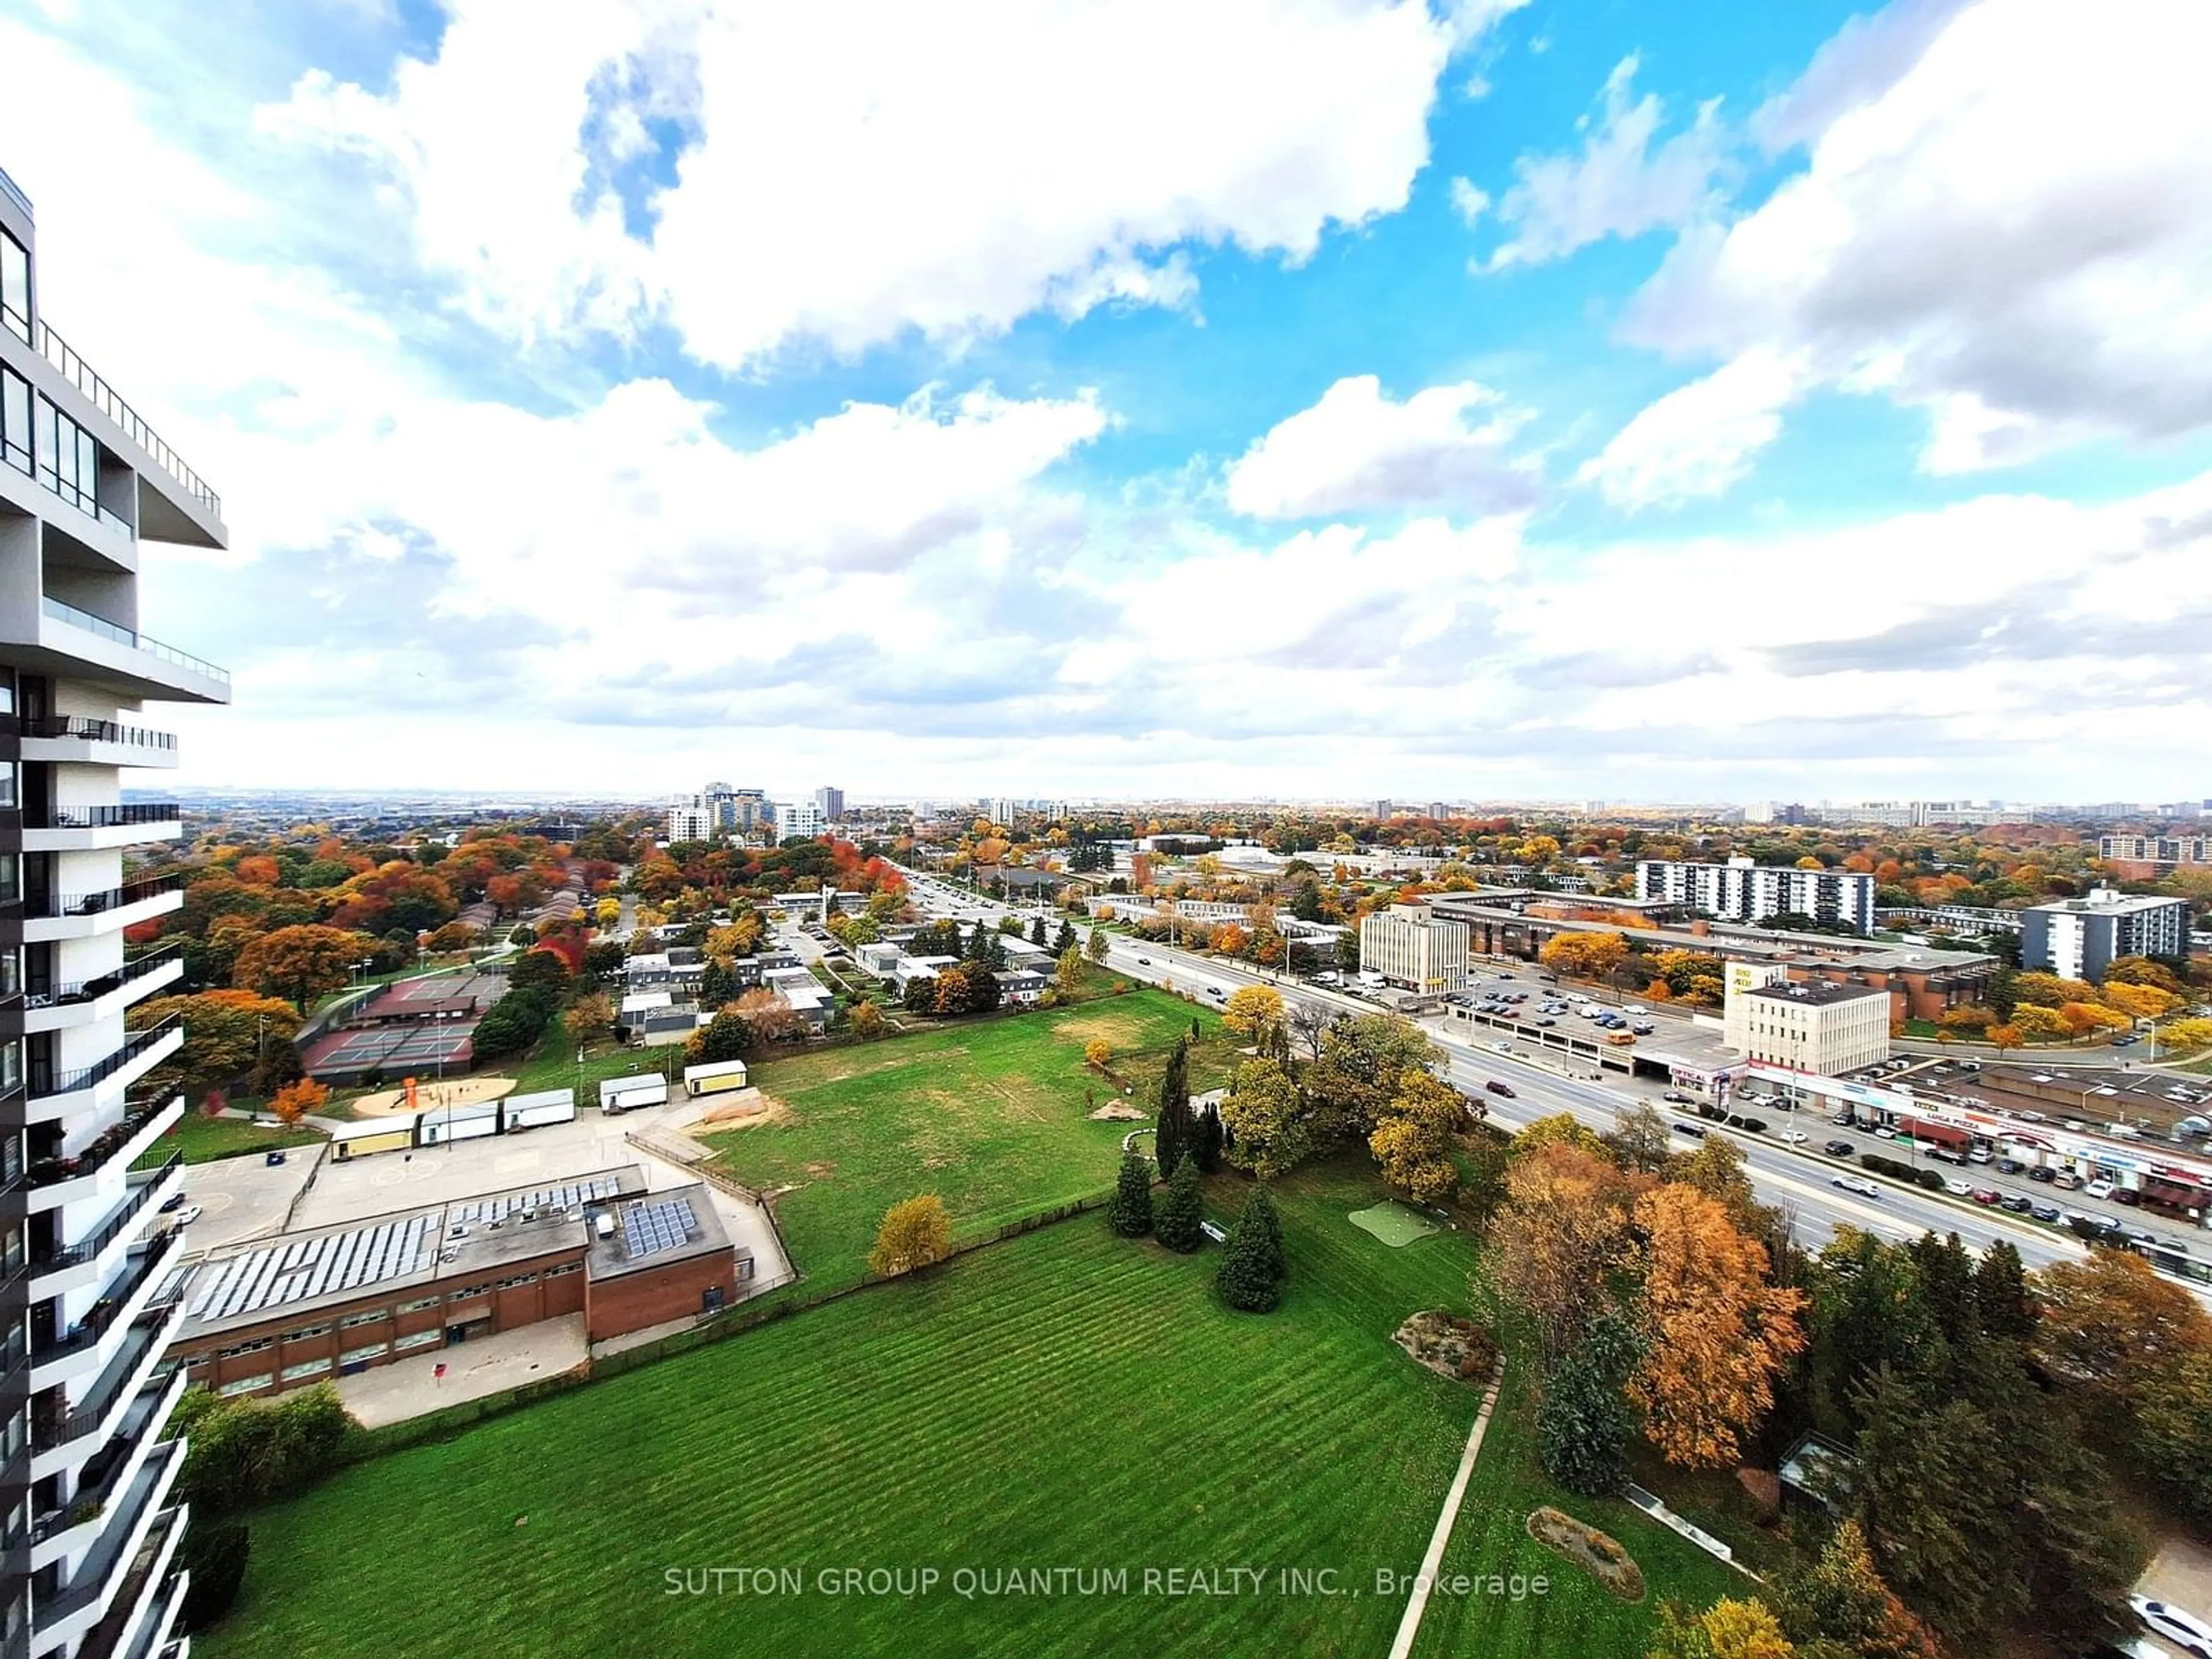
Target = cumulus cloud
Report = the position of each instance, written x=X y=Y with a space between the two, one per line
x=846 y=174
x=1699 y=439
x=2005 y=220
x=1616 y=184
x=1359 y=451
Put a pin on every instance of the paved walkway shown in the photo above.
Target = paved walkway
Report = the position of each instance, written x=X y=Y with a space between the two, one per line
x=489 y=1364
x=1410 y=1625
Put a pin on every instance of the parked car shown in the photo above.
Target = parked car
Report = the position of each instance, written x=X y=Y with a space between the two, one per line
x=1499 y=1086
x=188 y=1215
x=1981 y=1155
x=2184 y=1629
x=1676 y=1096
x=1545 y=1020
x=1841 y=1120
x=1795 y=1137
x=2045 y=1212
x=2098 y=1189
x=2127 y=1195
x=1985 y=1194
x=2010 y=1166
x=1857 y=1184
x=1957 y=1189
x=2018 y=1204
x=173 y=1202
x=1837 y=1149
x=1696 y=1131
x=1501 y=1047
x=2039 y=1173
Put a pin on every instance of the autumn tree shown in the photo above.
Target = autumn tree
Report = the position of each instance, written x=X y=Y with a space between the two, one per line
x=1362 y=1061
x=867 y=1021
x=770 y=1016
x=298 y=1100
x=915 y=1232
x=1252 y=1011
x=1068 y=972
x=1732 y=1628
x=1716 y=1333
x=227 y=1034
x=1097 y=1054
x=729 y=1035
x=1585 y=956
x=1557 y=1241
x=1412 y=1139
x=1841 y=1599
x=590 y=1017
x=1639 y=1139
x=2081 y=1018
x=1096 y=948
x=2035 y=1023
x=2109 y=1323
x=1269 y=1128
x=300 y=962
x=2184 y=1035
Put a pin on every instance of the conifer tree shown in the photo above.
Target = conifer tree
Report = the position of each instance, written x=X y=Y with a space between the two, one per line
x=1176 y=1222
x=1131 y=1212
x=1251 y=1276
x=1172 y=1137
x=1205 y=1136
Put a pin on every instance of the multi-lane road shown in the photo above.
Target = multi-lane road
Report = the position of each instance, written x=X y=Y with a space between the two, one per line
x=1798 y=1181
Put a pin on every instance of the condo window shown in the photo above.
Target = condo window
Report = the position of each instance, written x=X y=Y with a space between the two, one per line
x=15 y=420
x=14 y=287
x=69 y=460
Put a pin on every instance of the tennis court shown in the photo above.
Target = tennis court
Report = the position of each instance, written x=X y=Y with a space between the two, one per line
x=1393 y=1223
x=391 y=1047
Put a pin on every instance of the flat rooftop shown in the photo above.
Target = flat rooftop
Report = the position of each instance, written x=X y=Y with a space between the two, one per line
x=1817 y=993
x=656 y=1229
x=298 y=1273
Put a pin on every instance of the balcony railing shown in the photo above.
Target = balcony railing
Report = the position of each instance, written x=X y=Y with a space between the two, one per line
x=88 y=730
x=116 y=631
x=51 y=1432
x=127 y=1214
x=80 y=374
x=146 y=1261
x=91 y=990
x=85 y=1076
x=54 y=906
x=106 y=1147
x=103 y=817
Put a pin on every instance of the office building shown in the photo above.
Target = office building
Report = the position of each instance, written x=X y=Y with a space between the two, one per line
x=1741 y=890
x=89 y=492
x=2146 y=858
x=801 y=818
x=1413 y=949
x=830 y=801
x=1806 y=1025
x=2079 y=939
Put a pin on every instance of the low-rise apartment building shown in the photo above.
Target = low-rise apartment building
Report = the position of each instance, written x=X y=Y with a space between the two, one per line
x=1741 y=890
x=2080 y=938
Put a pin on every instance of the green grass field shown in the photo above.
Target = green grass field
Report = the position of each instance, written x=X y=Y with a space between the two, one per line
x=1064 y=1399
x=990 y=1115
x=207 y=1139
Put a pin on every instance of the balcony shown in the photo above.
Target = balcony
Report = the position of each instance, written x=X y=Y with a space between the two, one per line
x=130 y=1293
x=82 y=1001
x=130 y=1553
x=80 y=915
x=77 y=829
x=61 y=1437
x=64 y=1267
x=49 y=1183
x=70 y=641
x=76 y=738
x=48 y=1098
x=176 y=486
x=63 y=1531
x=156 y=1636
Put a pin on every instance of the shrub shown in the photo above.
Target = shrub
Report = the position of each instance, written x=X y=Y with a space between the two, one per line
x=214 y=1553
x=916 y=1231
x=247 y=1452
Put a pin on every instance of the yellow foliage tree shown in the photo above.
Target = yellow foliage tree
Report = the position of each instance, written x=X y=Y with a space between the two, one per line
x=1585 y=956
x=916 y=1231
x=296 y=1100
x=1098 y=1052
x=2036 y=1023
x=2082 y=1017
x=1729 y=1629
x=1718 y=1332
x=2139 y=1001
x=1255 y=1009
x=2186 y=1034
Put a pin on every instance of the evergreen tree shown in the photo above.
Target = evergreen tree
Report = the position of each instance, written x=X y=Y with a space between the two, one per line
x=1064 y=940
x=1584 y=1425
x=1947 y=1286
x=1131 y=1212
x=2005 y=1308
x=1176 y=1223
x=994 y=952
x=1206 y=1136
x=1037 y=930
x=1172 y=1137
x=1252 y=1273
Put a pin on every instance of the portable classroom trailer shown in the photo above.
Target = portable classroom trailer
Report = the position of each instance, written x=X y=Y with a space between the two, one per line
x=438 y=1125
x=528 y=1111
x=373 y=1134
x=626 y=1094
x=713 y=1078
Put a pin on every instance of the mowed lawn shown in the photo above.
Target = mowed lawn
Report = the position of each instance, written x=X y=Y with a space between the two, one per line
x=991 y=1115
x=1065 y=1399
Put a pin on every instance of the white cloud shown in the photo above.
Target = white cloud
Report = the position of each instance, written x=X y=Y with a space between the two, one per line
x=1357 y=450
x=2013 y=232
x=1468 y=202
x=1618 y=184
x=1699 y=438
x=850 y=173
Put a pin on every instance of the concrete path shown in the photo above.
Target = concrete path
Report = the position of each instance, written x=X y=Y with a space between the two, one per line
x=507 y=1359
x=1410 y=1625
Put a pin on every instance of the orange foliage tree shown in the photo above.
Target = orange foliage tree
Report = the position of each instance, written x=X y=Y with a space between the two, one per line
x=295 y=1100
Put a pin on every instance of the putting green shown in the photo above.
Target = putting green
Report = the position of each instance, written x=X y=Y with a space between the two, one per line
x=1393 y=1223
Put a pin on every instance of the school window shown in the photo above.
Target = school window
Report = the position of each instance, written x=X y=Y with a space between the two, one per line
x=306 y=1367
x=237 y=1348
x=468 y=1291
x=417 y=1304
x=355 y=1356
x=246 y=1384
x=420 y=1340
x=353 y=1320
x=306 y=1333
x=517 y=1280
x=565 y=1267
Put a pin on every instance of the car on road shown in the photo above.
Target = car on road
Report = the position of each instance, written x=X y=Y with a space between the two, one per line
x=1498 y=1086
x=1501 y=1047
x=1837 y=1149
x=1696 y=1131
x=2169 y=1623
x=1144 y=962
x=1216 y=993
x=1863 y=1188
x=2098 y=1189
x=1676 y=1097
x=2019 y=1204
x=1795 y=1137
x=2045 y=1212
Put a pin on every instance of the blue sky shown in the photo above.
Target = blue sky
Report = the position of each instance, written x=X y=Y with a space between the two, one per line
x=1311 y=398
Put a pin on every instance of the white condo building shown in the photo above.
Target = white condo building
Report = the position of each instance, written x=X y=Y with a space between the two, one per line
x=1413 y=949
x=1741 y=890
x=799 y=818
x=86 y=491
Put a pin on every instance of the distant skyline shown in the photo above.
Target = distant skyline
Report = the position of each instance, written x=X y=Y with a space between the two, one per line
x=1409 y=398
